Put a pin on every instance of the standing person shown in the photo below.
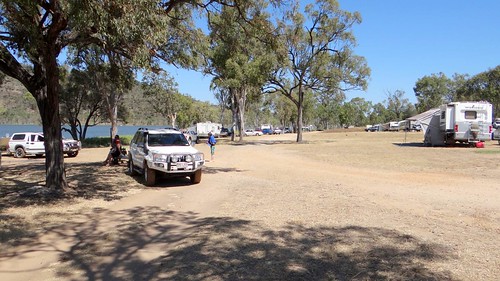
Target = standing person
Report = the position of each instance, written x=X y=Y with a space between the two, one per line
x=211 y=142
x=115 y=150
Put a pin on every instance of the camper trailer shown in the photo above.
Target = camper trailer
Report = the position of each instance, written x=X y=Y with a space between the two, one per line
x=463 y=122
x=391 y=126
x=203 y=128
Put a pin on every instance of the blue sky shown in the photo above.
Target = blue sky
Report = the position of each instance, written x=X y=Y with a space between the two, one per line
x=403 y=41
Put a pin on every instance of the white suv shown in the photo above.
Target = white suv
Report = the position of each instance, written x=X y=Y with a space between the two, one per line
x=22 y=144
x=164 y=152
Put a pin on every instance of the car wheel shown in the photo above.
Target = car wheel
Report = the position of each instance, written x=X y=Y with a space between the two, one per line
x=19 y=153
x=131 y=170
x=149 y=175
x=72 y=154
x=196 y=177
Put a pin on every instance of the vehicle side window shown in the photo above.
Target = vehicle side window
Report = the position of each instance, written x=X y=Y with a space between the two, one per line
x=40 y=138
x=18 y=137
x=471 y=115
x=140 y=139
x=136 y=136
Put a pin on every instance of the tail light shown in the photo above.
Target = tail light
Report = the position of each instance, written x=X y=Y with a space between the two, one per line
x=456 y=128
x=491 y=129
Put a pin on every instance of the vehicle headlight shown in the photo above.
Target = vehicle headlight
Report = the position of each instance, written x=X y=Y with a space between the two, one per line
x=159 y=158
x=189 y=158
x=174 y=158
x=198 y=156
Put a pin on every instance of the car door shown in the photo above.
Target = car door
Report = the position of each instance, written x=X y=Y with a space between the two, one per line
x=138 y=154
x=35 y=144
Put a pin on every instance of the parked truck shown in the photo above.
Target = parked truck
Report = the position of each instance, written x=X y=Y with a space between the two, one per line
x=463 y=122
x=203 y=128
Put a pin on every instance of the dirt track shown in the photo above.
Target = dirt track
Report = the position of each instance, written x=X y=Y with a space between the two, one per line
x=340 y=206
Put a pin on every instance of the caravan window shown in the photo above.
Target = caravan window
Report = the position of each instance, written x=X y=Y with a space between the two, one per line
x=471 y=115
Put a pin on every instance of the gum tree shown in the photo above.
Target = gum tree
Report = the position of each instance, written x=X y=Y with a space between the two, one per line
x=241 y=55
x=318 y=54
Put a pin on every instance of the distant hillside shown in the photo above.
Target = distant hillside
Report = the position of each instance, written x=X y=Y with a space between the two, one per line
x=17 y=105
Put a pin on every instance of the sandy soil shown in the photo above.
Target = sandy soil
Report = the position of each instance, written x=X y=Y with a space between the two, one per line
x=341 y=206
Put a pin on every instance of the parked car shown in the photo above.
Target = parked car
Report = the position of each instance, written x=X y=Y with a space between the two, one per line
x=277 y=131
x=496 y=123
x=250 y=132
x=163 y=152
x=374 y=128
x=416 y=127
x=496 y=134
x=267 y=131
x=287 y=130
x=191 y=136
x=224 y=132
x=22 y=144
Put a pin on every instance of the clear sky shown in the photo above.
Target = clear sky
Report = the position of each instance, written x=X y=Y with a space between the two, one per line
x=403 y=41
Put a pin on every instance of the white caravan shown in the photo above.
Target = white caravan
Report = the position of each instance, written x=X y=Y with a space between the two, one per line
x=203 y=128
x=464 y=122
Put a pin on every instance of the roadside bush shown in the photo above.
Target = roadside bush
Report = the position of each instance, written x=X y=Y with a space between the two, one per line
x=104 y=141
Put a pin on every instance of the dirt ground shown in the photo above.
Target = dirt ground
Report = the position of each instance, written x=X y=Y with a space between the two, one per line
x=342 y=205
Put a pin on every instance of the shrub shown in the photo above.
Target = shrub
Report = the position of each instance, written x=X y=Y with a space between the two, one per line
x=104 y=141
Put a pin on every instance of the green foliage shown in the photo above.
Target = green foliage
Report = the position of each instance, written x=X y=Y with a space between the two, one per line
x=432 y=91
x=16 y=105
x=483 y=86
x=104 y=141
x=398 y=107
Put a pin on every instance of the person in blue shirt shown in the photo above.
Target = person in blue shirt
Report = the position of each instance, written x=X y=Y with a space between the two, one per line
x=211 y=142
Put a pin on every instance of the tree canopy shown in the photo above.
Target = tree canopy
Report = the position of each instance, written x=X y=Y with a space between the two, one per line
x=317 y=54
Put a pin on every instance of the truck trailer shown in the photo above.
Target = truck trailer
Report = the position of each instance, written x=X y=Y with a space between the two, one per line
x=463 y=122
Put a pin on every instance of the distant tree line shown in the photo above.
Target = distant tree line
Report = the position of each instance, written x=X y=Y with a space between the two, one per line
x=157 y=101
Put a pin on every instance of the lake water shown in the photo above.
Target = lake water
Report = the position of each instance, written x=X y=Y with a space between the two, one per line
x=96 y=131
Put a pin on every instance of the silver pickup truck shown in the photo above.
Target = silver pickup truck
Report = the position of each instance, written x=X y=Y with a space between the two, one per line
x=22 y=144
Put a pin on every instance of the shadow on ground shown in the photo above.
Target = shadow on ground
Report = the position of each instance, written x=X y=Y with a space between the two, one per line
x=410 y=144
x=23 y=183
x=156 y=244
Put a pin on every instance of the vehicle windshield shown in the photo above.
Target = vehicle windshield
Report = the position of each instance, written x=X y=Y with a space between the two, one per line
x=167 y=140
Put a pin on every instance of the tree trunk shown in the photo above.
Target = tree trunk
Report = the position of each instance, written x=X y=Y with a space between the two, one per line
x=300 y=106
x=241 y=95
x=48 y=104
x=114 y=120
x=234 y=112
x=173 y=119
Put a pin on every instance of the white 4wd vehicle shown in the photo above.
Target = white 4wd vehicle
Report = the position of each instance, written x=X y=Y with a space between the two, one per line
x=164 y=152
x=22 y=144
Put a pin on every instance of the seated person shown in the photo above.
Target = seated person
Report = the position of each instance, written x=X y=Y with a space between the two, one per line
x=115 y=150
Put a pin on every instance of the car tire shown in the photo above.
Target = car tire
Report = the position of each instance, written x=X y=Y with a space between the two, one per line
x=196 y=177
x=72 y=154
x=131 y=170
x=149 y=175
x=19 y=152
